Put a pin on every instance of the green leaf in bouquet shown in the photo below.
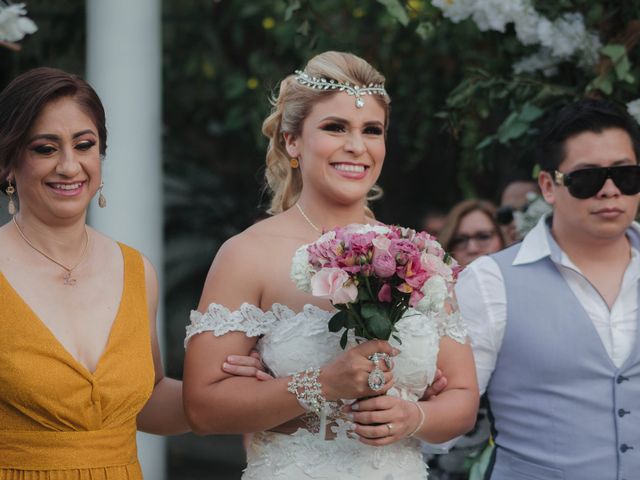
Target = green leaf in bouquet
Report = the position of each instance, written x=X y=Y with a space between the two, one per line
x=351 y=320
x=397 y=339
x=364 y=293
x=343 y=339
x=376 y=320
x=339 y=321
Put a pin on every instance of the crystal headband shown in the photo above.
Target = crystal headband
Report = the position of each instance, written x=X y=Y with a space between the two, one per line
x=354 y=90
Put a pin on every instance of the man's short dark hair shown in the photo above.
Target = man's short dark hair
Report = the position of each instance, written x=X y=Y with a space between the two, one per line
x=586 y=115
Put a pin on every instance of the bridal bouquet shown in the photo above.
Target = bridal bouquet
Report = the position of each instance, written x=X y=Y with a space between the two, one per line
x=372 y=274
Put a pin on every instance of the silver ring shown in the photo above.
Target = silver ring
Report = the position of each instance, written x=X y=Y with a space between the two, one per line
x=376 y=379
x=390 y=427
x=376 y=357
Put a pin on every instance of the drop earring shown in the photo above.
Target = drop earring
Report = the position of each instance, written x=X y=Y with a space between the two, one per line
x=12 y=205
x=102 y=201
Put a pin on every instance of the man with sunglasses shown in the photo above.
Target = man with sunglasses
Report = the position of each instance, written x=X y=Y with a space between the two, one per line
x=554 y=318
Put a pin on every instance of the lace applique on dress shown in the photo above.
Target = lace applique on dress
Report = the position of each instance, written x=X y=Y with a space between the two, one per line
x=451 y=325
x=220 y=320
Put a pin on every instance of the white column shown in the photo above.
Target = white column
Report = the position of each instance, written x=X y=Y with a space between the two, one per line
x=124 y=66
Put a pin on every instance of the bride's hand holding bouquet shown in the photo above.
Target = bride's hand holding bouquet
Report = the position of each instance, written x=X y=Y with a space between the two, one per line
x=374 y=275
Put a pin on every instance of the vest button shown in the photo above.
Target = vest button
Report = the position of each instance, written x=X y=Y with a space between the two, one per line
x=621 y=379
x=624 y=447
x=622 y=412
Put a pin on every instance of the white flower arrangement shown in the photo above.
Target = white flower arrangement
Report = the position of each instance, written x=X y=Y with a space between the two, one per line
x=13 y=23
x=537 y=208
x=633 y=107
x=559 y=40
x=301 y=270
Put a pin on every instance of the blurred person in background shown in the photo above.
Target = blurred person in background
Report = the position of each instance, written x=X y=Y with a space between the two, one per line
x=515 y=199
x=471 y=230
x=433 y=220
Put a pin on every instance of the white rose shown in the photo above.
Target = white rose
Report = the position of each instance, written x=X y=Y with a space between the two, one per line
x=435 y=293
x=301 y=270
x=325 y=237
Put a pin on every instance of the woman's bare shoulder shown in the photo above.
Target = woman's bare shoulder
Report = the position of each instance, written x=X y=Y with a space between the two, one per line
x=270 y=233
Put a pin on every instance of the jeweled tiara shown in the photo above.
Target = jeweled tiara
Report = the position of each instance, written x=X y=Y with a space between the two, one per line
x=354 y=90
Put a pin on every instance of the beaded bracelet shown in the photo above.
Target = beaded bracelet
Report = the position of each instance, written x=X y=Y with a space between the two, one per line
x=422 y=418
x=305 y=386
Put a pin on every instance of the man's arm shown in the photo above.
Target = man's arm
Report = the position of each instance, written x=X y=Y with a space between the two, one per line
x=482 y=301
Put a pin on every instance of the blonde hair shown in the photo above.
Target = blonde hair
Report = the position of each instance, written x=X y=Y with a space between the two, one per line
x=292 y=104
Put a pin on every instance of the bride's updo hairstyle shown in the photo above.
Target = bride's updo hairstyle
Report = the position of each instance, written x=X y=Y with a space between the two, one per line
x=292 y=104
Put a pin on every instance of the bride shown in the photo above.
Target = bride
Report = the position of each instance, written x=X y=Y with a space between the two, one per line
x=327 y=145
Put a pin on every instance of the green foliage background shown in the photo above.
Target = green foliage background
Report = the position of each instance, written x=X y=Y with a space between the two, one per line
x=462 y=123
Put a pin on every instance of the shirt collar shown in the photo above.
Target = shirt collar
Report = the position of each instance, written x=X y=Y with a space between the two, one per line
x=539 y=243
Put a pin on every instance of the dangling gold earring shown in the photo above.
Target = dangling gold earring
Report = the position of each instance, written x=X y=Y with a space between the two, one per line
x=294 y=163
x=102 y=202
x=12 y=205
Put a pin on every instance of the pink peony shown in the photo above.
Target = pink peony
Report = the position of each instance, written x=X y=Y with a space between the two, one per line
x=360 y=244
x=333 y=283
x=403 y=250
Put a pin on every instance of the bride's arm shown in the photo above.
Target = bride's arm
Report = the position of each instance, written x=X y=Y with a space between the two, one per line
x=218 y=402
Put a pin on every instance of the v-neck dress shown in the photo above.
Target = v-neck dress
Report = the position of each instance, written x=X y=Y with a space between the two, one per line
x=58 y=421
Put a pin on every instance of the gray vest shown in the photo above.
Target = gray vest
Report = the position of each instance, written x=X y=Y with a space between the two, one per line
x=560 y=408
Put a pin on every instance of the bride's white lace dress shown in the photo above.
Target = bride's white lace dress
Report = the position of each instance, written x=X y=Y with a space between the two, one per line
x=293 y=341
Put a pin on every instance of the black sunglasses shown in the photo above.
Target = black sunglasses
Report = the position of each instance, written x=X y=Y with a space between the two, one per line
x=587 y=182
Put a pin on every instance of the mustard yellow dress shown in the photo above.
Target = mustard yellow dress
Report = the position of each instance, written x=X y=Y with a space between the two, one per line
x=58 y=421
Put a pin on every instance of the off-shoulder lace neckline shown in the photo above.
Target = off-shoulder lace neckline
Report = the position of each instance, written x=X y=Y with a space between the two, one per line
x=282 y=308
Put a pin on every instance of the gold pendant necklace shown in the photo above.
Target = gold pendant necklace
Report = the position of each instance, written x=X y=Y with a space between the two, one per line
x=67 y=278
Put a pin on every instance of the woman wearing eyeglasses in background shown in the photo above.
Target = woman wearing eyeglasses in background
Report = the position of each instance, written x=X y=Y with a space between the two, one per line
x=471 y=230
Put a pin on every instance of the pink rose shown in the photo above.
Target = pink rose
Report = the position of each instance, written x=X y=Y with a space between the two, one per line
x=384 y=265
x=384 y=295
x=435 y=266
x=415 y=298
x=333 y=283
x=381 y=244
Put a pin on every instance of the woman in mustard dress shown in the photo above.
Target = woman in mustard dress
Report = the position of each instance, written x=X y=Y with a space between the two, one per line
x=80 y=367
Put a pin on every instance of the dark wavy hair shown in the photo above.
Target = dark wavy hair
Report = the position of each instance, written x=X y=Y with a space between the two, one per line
x=22 y=101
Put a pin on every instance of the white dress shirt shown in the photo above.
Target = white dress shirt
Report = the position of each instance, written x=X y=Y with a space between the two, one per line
x=483 y=304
